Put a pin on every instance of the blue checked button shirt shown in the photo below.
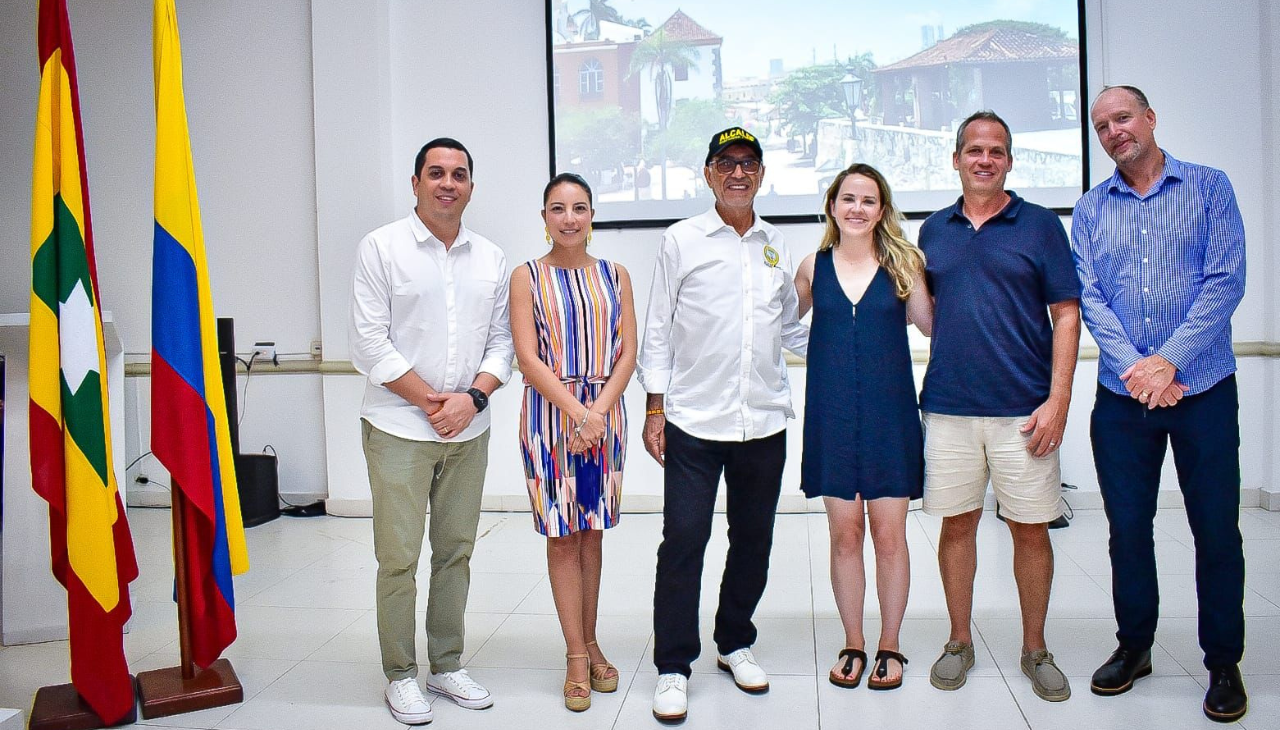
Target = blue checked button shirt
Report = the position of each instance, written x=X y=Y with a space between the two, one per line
x=1161 y=273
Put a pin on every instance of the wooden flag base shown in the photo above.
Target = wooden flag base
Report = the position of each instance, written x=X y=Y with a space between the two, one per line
x=164 y=692
x=59 y=707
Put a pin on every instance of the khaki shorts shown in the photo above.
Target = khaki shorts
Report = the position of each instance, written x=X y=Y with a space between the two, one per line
x=961 y=453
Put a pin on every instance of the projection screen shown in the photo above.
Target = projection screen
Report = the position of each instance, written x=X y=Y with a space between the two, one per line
x=637 y=87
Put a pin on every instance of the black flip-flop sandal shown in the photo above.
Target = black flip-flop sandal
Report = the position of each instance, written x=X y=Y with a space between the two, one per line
x=880 y=670
x=843 y=679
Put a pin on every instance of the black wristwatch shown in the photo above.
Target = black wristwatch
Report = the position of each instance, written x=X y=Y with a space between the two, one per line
x=478 y=397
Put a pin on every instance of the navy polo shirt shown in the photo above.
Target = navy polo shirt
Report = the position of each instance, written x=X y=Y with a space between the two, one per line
x=992 y=347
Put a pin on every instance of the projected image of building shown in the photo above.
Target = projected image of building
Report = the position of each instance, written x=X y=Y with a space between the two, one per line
x=1027 y=72
x=626 y=96
x=638 y=86
x=986 y=66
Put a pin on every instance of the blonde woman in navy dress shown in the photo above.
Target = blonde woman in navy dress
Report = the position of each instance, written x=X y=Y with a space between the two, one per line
x=863 y=444
x=574 y=326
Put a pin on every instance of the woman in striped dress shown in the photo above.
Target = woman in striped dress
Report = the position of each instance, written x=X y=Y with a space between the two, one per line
x=574 y=326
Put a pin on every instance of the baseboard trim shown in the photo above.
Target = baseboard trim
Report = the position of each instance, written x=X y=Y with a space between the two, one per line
x=793 y=503
x=1269 y=501
x=1168 y=499
x=34 y=636
x=351 y=507
x=12 y=719
x=147 y=496
x=140 y=495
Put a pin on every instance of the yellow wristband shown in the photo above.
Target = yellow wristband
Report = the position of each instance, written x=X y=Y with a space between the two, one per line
x=654 y=412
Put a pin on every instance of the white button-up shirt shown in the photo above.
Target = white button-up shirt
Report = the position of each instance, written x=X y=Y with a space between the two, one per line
x=440 y=312
x=721 y=309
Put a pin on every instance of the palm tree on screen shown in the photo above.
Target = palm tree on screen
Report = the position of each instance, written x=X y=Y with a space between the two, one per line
x=661 y=54
x=595 y=12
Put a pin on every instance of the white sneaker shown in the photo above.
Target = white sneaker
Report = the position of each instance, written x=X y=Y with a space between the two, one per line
x=671 y=698
x=461 y=688
x=407 y=704
x=747 y=674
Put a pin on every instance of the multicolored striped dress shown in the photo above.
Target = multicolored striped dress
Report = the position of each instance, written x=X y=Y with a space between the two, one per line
x=578 y=316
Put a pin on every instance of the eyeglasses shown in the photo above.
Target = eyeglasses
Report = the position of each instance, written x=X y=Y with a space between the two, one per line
x=726 y=165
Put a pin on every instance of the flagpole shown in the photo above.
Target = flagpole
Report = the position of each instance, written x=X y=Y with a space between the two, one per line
x=178 y=509
x=186 y=687
x=189 y=418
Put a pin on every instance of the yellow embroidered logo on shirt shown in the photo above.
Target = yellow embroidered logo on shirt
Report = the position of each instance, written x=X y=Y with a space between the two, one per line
x=770 y=255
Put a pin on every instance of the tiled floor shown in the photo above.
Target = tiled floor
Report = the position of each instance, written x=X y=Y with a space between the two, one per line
x=308 y=657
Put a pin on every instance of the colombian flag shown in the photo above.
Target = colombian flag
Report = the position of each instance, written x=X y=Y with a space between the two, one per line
x=89 y=539
x=189 y=430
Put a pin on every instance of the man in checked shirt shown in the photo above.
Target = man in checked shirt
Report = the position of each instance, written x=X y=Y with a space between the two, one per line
x=1160 y=251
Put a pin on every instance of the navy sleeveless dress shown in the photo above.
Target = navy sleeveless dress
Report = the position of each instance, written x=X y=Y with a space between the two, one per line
x=862 y=433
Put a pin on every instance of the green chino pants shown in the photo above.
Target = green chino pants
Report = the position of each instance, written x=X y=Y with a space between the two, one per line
x=405 y=477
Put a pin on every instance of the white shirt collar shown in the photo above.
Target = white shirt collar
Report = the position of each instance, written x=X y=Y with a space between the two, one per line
x=711 y=223
x=422 y=234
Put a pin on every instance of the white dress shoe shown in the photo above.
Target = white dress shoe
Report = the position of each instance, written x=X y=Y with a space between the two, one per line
x=406 y=702
x=461 y=688
x=747 y=674
x=671 y=698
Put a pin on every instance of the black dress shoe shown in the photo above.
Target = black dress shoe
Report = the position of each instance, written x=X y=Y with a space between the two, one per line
x=1117 y=675
x=1226 y=700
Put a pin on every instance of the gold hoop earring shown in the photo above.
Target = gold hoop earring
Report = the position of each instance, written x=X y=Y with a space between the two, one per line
x=548 y=232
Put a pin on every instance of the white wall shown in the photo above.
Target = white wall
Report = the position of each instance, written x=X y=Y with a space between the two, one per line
x=20 y=82
x=248 y=89
x=306 y=114
x=280 y=413
x=1208 y=106
x=1270 y=40
x=248 y=77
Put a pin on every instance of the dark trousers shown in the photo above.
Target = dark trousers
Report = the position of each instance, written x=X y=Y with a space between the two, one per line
x=1129 y=443
x=753 y=478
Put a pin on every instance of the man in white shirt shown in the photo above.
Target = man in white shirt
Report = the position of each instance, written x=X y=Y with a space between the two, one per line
x=429 y=328
x=722 y=307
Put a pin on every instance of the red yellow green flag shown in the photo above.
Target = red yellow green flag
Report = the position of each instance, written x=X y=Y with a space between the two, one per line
x=90 y=545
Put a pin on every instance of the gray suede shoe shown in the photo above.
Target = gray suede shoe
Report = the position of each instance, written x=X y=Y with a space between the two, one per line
x=952 y=668
x=1047 y=681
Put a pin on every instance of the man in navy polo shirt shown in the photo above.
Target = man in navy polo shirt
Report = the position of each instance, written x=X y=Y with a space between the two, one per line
x=1160 y=250
x=1005 y=336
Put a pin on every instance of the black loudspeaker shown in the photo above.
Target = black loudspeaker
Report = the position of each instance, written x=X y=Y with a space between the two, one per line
x=227 y=364
x=259 y=488
x=256 y=474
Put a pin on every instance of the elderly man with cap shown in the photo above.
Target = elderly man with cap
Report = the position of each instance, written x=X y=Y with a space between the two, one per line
x=721 y=308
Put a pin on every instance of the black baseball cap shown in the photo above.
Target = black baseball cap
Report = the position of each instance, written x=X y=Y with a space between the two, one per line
x=729 y=137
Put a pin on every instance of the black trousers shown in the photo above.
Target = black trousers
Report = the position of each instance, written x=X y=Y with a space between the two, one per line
x=753 y=478
x=1129 y=443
